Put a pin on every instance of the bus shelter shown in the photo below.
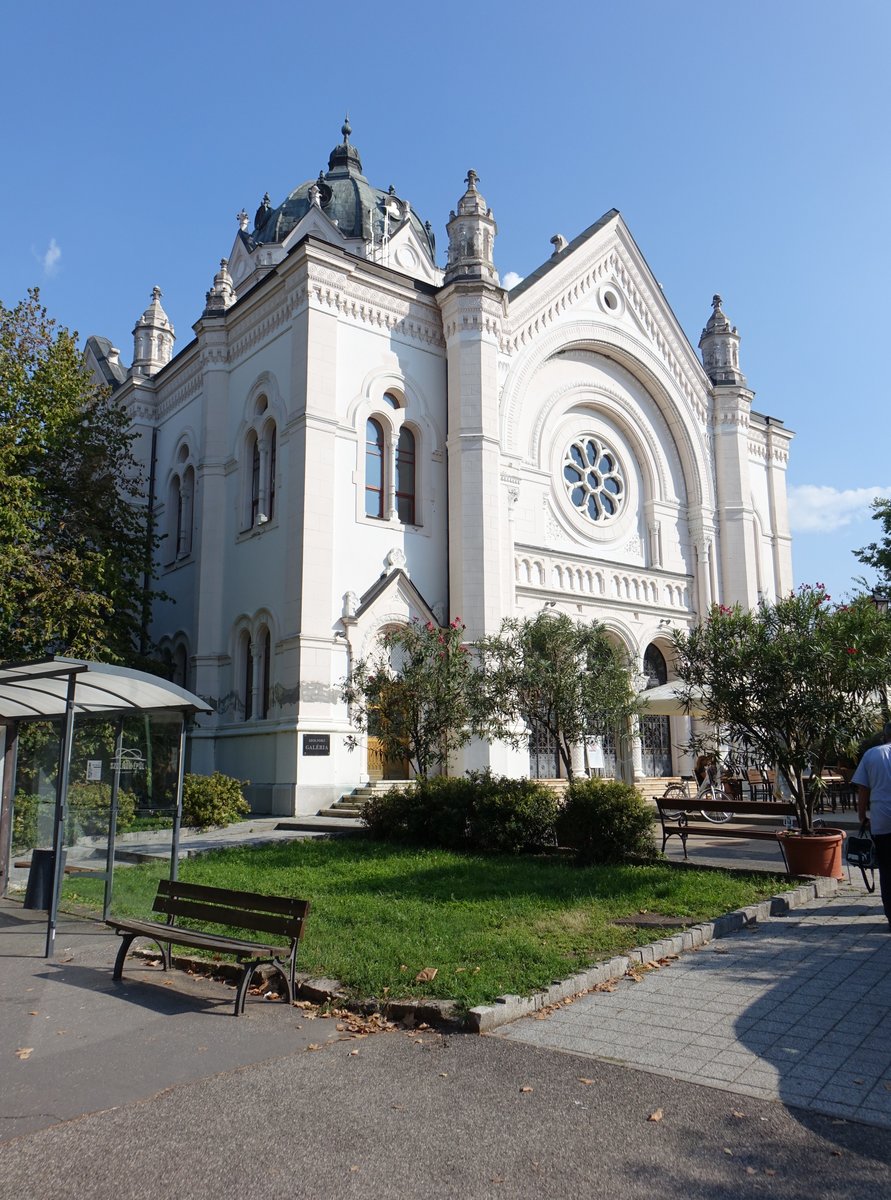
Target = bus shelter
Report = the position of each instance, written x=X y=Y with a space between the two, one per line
x=85 y=744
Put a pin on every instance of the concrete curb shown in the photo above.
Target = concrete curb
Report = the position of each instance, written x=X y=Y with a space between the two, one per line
x=510 y=1008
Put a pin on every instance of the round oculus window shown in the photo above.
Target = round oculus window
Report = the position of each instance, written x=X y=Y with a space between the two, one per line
x=593 y=478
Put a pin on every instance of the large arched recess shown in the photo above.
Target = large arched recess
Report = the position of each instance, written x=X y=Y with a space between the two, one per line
x=684 y=405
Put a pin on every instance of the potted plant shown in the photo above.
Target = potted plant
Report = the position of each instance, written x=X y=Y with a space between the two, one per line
x=797 y=680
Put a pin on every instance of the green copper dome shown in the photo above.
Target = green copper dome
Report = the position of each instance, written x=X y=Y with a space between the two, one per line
x=347 y=198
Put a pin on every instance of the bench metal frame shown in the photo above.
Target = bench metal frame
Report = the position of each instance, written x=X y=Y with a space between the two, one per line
x=280 y=915
x=681 y=826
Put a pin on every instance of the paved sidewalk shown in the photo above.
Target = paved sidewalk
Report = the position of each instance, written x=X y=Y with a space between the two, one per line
x=797 y=1010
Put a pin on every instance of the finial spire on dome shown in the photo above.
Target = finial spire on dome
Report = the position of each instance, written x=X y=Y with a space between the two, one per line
x=345 y=156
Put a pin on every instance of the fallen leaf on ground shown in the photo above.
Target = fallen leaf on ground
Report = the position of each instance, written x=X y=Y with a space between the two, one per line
x=720 y=950
x=836 y=1153
x=769 y=1171
x=582 y=1079
x=736 y=1113
x=751 y=1171
x=353 y=1052
x=426 y=974
x=656 y=1115
x=24 y=1052
x=354 y=1168
x=525 y=1088
x=727 y=1150
x=33 y=1013
x=313 y=1046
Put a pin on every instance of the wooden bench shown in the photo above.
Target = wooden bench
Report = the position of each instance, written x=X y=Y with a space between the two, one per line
x=675 y=815
x=281 y=916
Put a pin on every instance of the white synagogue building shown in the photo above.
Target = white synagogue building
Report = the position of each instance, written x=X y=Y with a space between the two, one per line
x=356 y=436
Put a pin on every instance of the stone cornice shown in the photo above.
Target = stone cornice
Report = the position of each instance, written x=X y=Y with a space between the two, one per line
x=378 y=307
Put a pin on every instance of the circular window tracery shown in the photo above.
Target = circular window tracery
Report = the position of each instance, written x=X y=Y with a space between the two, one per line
x=593 y=478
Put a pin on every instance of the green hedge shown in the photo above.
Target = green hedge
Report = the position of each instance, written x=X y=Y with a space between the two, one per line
x=476 y=812
x=211 y=800
x=606 y=821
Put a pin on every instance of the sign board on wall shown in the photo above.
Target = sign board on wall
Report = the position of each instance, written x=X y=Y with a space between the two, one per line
x=317 y=744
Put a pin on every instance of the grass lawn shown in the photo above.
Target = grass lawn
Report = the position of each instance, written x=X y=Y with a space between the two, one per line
x=381 y=913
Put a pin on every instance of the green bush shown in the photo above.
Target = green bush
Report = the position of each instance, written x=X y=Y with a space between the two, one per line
x=210 y=800
x=24 y=821
x=511 y=815
x=605 y=821
x=89 y=807
x=478 y=812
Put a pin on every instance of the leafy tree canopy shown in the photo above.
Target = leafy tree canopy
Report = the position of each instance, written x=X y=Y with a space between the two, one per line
x=878 y=554
x=73 y=535
x=558 y=676
x=798 y=681
x=418 y=693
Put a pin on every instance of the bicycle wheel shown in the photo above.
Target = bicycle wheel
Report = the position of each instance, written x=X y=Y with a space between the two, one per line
x=716 y=818
x=675 y=791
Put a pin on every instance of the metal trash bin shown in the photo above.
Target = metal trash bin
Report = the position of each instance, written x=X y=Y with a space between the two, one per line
x=39 y=889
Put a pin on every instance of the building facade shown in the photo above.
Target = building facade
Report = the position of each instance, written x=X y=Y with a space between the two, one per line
x=356 y=437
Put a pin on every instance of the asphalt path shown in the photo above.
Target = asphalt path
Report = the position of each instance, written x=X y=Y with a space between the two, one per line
x=151 y=1088
x=417 y=1114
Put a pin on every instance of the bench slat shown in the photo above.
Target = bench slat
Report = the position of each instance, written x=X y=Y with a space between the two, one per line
x=252 y=901
x=219 y=914
x=195 y=937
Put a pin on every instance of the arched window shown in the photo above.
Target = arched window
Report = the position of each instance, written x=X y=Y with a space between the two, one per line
x=173 y=521
x=655 y=732
x=185 y=494
x=271 y=443
x=254 y=446
x=374 y=470
x=405 y=476
x=180 y=666
x=259 y=453
x=265 y=674
x=247 y=676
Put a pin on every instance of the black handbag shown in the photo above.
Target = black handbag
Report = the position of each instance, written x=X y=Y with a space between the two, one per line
x=860 y=851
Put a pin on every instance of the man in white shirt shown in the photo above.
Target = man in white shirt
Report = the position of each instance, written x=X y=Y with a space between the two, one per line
x=873 y=782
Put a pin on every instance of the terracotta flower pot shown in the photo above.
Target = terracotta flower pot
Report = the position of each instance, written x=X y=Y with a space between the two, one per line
x=813 y=853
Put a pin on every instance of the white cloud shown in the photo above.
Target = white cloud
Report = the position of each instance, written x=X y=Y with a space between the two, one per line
x=511 y=279
x=50 y=260
x=819 y=508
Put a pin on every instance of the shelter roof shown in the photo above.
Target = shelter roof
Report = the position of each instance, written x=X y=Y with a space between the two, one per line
x=39 y=690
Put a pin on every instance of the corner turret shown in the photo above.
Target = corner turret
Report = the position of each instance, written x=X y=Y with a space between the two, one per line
x=153 y=338
x=471 y=233
x=719 y=344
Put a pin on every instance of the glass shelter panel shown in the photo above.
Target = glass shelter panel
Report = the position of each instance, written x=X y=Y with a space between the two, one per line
x=120 y=811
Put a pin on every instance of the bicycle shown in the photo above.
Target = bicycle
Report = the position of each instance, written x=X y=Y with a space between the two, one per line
x=706 y=791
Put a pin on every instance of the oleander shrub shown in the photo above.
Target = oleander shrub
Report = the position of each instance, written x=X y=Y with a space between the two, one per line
x=475 y=812
x=212 y=800
x=606 y=822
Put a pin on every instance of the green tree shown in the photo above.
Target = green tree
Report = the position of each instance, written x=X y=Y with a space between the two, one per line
x=558 y=676
x=418 y=693
x=798 y=681
x=73 y=524
x=878 y=554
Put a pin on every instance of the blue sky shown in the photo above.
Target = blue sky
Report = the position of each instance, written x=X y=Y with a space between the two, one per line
x=745 y=145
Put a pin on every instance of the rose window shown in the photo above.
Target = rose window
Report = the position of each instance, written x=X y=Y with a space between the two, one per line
x=593 y=478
